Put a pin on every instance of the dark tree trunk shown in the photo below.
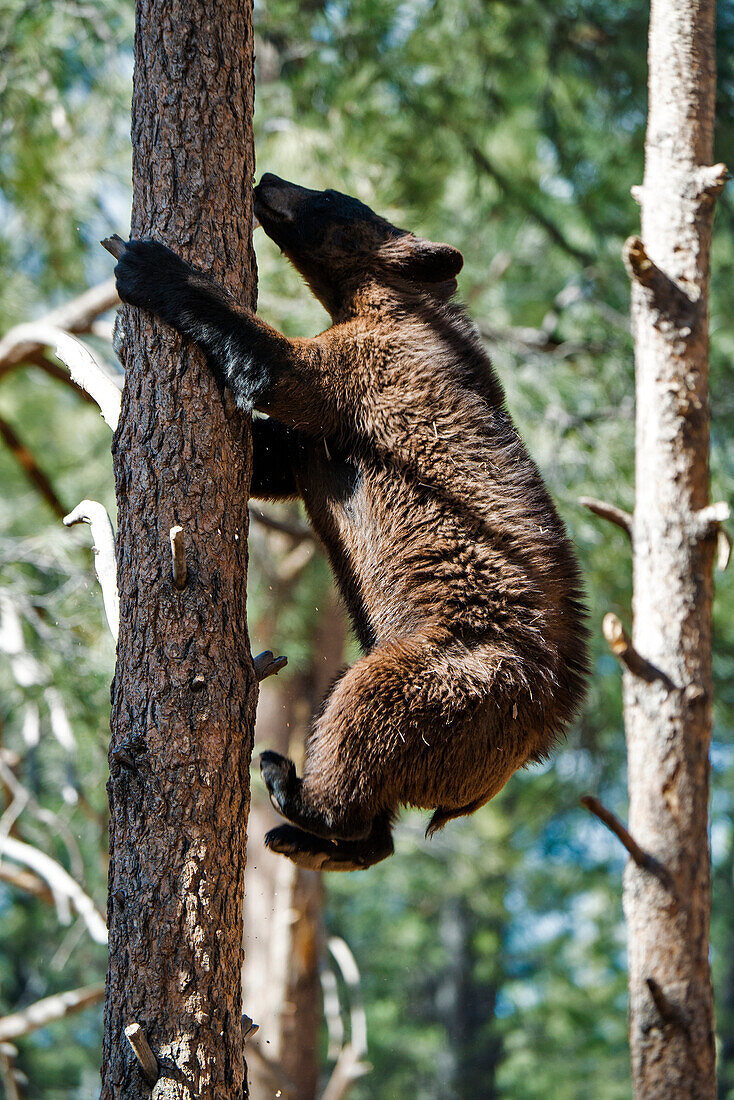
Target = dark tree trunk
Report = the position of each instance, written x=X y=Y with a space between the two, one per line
x=467 y=1005
x=184 y=690
x=668 y=699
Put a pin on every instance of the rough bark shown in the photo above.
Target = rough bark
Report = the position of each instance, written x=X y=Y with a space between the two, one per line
x=668 y=692
x=184 y=689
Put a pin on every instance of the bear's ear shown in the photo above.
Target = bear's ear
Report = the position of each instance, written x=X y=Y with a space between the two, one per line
x=421 y=260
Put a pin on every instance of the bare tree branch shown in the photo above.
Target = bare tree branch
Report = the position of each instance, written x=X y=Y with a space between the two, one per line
x=48 y=1010
x=641 y=858
x=84 y=369
x=63 y=887
x=47 y=817
x=350 y=1064
x=75 y=316
x=27 y=881
x=30 y=468
x=615 y=515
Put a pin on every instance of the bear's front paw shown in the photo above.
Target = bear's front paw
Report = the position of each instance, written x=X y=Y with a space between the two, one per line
x=151 y=276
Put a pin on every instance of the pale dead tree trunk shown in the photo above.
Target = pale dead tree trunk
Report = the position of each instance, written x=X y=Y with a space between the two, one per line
x=668 y=682
x=284 y=903
x=184 y=689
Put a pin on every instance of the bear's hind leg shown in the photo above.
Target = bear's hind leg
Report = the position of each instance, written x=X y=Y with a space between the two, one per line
x=404 y=725
x=285 y=790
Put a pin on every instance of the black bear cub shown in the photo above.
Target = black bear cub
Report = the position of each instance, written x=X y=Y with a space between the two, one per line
x=450 y=556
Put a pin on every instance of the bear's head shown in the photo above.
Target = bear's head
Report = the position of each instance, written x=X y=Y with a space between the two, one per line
x=343 y=248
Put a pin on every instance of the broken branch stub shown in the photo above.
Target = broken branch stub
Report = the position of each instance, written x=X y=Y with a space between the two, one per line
x=638 y=856
x=103 y=547
x=141 y=1048
x=114 y=245
x=266 y=664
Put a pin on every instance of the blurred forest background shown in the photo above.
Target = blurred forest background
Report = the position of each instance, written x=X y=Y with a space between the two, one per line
x=492 y=958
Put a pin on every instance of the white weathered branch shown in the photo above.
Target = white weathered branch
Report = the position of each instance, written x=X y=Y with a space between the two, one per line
x=723 y=548
x=332 y=1013
x=65 y=889
x=75 y=316
x=345 y=960
x=350 y=1064
x=105 y=562
x=83 y=368
x=26 y=881
x=707 y=520
x=46 y=1011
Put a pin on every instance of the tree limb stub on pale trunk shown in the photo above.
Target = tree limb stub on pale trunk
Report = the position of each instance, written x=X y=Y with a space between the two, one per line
x=668 y=297
x=669 y=1013
x=610 y=512
x=643 y=859
x=621 y=646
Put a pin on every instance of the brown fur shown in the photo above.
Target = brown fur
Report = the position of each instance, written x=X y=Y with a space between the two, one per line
x=453 y=563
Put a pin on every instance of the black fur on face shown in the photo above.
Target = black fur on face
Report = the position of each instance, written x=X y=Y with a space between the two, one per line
x=339 y=245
